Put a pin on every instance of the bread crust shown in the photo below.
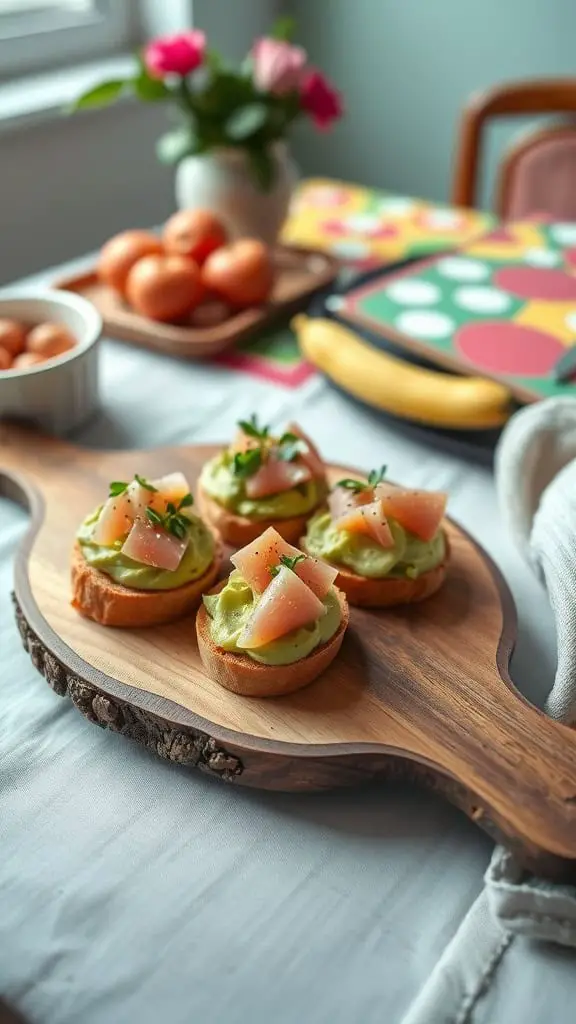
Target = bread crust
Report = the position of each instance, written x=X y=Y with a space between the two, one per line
x=240 y=674
x=96 y=596
x=240 y=530
x=365 y=592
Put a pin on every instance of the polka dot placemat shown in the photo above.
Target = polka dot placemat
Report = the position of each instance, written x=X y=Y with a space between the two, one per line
x=503 y=306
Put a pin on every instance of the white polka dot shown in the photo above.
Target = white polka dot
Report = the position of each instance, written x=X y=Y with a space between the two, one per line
x=425 y=324
x=570 y=321
x=482 y=300
x=413 y=293
x=363 y=223
x=459 y=269
x=351 y=250
x=443 y=219
x=542 y=257
x=397 y=206
x=564 y=234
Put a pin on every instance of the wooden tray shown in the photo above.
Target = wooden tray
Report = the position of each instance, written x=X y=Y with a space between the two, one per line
x=299 y=274
x=422 y=692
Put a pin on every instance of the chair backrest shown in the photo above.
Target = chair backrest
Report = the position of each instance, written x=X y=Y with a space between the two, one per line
x=539 y=174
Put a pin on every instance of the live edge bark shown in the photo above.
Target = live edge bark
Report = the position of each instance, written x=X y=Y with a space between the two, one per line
x=192 y=748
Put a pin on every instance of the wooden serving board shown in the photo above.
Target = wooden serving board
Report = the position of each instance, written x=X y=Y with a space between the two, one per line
x=421 y=691
x=299 y=274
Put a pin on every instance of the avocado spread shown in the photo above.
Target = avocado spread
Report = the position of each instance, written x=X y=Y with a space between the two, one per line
x=410 y=557
x=196 y=559
x=220 y=483
x=231 y=609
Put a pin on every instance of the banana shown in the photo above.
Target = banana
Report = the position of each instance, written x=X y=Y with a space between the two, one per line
x=407 y=391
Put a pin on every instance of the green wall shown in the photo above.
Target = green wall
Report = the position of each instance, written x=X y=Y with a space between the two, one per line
x=406 y=67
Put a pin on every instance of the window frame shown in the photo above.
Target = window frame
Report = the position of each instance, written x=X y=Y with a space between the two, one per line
x=42 y=39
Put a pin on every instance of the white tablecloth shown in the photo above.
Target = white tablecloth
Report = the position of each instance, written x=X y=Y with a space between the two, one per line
x=133 y=891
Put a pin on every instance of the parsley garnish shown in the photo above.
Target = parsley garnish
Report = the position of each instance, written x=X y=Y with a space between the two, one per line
x=289 y=447
x=145 y=484
x=247 y=463
x=375 y=476
x=290 y=561
x=117 y=487
x=172 y=520
x=252 y=429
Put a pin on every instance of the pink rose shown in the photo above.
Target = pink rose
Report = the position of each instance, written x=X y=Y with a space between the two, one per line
x=175 y=55
x=319 y=97
x=278 y=66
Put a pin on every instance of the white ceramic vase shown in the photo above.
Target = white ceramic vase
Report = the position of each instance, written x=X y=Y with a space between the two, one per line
x=222 y=181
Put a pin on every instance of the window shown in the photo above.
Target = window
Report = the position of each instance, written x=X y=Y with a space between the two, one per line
x=37 y=34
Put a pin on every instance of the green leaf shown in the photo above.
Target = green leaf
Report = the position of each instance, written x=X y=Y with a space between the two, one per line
x=376 y=476
x=289 y=447
x=353 y=485
x=213 y=60
x=262 y=167
x=187 y=501
x=100 y=96
x=148 y=89
x=246 y=121
x=284 y=28
x=117 y=487
x=145 y=484
x=175 y=145
x=252 y=429
x=155 y=518
x=247 y=463
x=291 y=561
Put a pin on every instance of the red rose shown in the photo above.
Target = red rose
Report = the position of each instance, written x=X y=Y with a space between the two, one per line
x=175 y=55
x=320 y=99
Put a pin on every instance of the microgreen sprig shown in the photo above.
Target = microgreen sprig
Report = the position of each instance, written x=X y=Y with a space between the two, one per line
x=118 y=487
x=252 y=428
x=290 y=561
x=172 y=520
x=375 y=477
x=289 y=447
x=247 y=463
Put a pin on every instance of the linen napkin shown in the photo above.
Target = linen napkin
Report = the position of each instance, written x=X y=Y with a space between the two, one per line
x=536 y=485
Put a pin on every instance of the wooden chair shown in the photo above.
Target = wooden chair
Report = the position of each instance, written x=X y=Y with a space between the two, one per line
x=538 y=174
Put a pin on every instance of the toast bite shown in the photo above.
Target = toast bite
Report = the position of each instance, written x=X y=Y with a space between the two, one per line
x=262 y=480
x=275 y=624
x=387 y=543
x=144 y=557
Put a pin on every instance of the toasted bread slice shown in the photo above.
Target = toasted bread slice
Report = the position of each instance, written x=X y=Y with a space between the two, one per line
x=239 y=530
x=96 y=596
x=239 y=673
x=366 y=592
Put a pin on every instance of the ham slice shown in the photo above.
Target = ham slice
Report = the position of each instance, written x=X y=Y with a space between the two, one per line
x=317 y=575
x=255 y=560
x=310 y=457
x=276 y=476
x=115 y=520
x=286 y=604
x=172 y=487
x=368 y=519
x=342 y=500
x=119 y=513
x=419 y=512
x=153 y=546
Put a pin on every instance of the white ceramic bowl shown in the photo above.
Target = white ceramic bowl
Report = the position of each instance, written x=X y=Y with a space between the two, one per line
x=62 y=393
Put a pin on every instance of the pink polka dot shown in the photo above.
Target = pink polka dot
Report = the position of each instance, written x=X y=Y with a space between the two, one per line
x=333 y=227
x=537 y=283
x=498 y=235
x=509 y=348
